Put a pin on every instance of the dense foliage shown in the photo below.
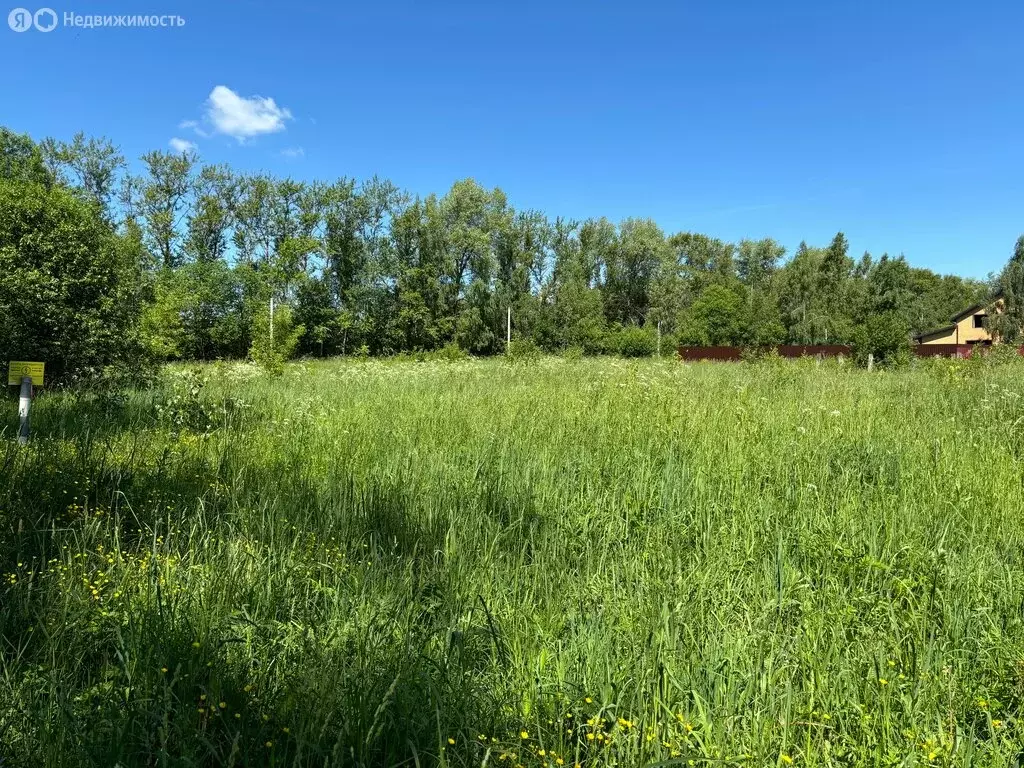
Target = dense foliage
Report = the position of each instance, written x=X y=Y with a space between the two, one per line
x=367 y=268
x=70 y=290
x=488 y=563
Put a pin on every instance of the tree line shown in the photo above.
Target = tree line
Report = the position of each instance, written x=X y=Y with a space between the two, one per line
x=181 y=261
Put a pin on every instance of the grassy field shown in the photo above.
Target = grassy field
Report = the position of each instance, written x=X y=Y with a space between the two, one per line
x=588 y=562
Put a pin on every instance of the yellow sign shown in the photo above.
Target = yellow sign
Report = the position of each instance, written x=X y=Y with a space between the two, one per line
x=18 y=370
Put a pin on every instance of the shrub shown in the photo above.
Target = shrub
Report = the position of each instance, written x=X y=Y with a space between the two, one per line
x=759 y=354
x=271 y=349
x=523 y=350
x=634 y=341
x=182 y=407
x=1002 y=354
x=67 y=285
x=449 y=353
x=886 y=337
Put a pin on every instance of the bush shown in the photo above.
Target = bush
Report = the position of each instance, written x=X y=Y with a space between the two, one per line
x=523 y=351
x=573 y=354
x=68 y=292
x=271 y=350
x=182 y=406
x=634 y=341
x=768 y=354
x=449 y=353
x=885 y=336
x=1002 y=354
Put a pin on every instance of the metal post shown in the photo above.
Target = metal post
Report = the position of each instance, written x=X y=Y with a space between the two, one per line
x=659 y=338
x=271 y=324
x=871 y=361
x=24 y=403
x=508 y=337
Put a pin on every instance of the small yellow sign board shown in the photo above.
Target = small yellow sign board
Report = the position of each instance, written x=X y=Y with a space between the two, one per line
x=17 y=370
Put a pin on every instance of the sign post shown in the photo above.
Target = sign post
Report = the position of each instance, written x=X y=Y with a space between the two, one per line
x=24 y=403
x=27 y=375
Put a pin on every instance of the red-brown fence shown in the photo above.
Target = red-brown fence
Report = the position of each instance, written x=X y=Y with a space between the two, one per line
x=961 y=351
x=785 y=350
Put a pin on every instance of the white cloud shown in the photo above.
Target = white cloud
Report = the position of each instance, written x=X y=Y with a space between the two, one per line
x=243 y=118
x=181 y=146
x=193 y=125
x=293 y=152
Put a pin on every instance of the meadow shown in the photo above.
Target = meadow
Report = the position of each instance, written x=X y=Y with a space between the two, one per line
x=557 y=562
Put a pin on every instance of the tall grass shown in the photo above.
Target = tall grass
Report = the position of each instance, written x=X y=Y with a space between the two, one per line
x=474 y=563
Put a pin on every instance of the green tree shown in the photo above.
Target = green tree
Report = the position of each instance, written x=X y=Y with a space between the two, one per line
x=212 y=215
x=316 y=312
x=717 y=317
x=765 y=326
x=706 y=261
x=630 y=265
x=798 y=293
x=68 y=284
x=21 y=160
x=255 y=234
x=577 y=304
x=421 y=320
x=274 y=339
x=90 y=166
x=668 y=293
x=159 y=200
x=1009 y=324
x=885 y=335
x=757 y=261
x=162 y=329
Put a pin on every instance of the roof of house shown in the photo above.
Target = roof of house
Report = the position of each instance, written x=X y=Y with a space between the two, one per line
x=933 y=331
x=961 y=315
x=970 y=311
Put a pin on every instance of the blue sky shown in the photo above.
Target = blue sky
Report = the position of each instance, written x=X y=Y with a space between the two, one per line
x=900 y=123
